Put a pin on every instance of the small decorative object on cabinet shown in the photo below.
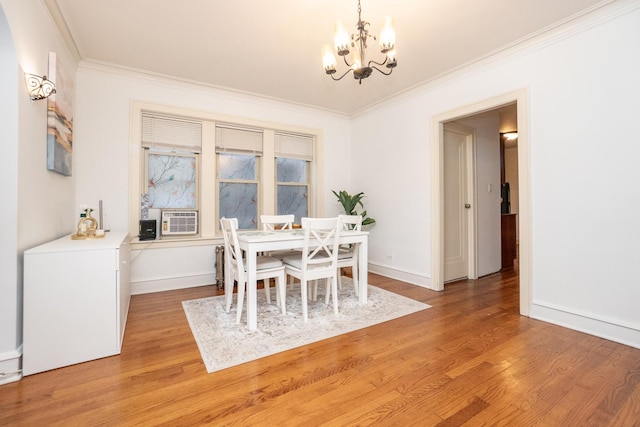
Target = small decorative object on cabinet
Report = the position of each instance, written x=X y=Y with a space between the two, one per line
x=87 y=227
x=76 y=300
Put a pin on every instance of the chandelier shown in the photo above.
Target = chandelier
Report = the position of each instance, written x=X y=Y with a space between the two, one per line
x=358 y=44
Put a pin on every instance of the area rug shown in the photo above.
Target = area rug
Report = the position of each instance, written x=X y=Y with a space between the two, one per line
x=224 y=343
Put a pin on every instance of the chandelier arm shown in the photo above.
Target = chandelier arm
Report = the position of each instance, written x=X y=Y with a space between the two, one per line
x=379 y=63
x=378 y=69
x=347 y=62
x=342 y=76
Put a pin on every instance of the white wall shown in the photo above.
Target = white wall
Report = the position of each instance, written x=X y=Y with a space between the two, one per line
x=9 y=287
x=102 y=145
x=37 y=203
x=584 y=93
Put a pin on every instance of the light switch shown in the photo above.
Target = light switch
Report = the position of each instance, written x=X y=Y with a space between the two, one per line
x=489 y=188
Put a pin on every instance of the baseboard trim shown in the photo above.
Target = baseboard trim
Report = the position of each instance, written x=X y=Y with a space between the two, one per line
x=11 y=366
x=172 y=283
x=402 y=275
x=610 y=329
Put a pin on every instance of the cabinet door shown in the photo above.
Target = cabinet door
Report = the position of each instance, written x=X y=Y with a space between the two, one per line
x=69 y=302
x=123 y=289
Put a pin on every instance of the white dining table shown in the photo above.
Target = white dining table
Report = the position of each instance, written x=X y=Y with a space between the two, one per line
x=253 y=242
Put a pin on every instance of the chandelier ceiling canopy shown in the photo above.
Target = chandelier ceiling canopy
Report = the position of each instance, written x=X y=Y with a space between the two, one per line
x=356 y=45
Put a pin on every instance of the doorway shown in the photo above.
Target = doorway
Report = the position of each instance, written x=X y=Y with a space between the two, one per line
x=438 y=191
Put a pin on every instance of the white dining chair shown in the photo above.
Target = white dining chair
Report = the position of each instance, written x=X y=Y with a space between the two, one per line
x=348 y=254
x=318 y=259
x=277 y=222
x=266 y=268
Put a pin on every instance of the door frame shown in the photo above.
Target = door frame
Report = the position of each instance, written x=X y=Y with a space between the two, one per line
x=471 y=195
x=520 y=97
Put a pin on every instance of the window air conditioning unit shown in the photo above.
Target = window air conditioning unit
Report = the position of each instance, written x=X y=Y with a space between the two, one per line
x=179 y=223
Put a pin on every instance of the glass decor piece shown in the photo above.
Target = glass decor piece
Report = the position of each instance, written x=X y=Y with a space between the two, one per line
x=172 y=181
x=239 y=201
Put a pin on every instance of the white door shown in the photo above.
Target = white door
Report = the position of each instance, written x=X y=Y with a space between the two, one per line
x=457 y=201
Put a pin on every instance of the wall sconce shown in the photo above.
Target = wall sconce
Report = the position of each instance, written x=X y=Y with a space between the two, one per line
x=39 y=87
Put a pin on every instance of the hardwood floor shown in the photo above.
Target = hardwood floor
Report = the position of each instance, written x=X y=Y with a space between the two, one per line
x=469 y=360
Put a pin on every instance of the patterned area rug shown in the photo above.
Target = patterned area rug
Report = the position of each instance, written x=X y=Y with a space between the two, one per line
x=223 y=343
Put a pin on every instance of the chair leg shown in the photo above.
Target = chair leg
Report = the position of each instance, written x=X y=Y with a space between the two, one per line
x=327 y=290
x=228 y=293
x=281 y=285
x=313 y=290
x=334 y=283
x=278 y=286
x=266 y=284
x=241 y=287
x=354 y=274
x=303 y=290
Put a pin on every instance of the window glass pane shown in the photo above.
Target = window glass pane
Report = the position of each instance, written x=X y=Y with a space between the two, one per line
x=171 y=181
x=291 y=170
x=293 y=199
x=239 y=201
x=237 y=166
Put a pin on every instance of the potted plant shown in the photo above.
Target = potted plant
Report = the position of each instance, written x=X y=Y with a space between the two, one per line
x=350 y=204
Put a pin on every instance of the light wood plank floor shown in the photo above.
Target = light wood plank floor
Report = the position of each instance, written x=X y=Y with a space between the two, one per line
x=470 y=360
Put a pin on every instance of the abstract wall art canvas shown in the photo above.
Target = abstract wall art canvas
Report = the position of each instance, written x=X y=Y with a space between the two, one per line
x=60 y=119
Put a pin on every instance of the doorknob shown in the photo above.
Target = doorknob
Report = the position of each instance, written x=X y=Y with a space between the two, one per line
x=467 y=206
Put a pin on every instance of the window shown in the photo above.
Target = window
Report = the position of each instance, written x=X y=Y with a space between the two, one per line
x=238 y=152
x=234 y=168
x=171 y=180
x=171 y=149
x=293 y=160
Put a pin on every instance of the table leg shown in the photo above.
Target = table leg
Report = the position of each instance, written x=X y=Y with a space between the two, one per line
x=363 y=273
x=252 y=294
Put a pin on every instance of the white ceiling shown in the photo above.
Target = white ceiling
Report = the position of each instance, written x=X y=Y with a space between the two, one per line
x=272 y=48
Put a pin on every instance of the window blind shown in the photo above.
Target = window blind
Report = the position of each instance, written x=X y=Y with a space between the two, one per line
x=294 y=146
x=238 y=140
x=171 y=133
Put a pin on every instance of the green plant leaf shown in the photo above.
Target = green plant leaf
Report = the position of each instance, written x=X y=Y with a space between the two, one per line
x=350 y=205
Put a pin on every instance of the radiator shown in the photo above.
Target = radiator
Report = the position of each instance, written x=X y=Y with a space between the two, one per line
x=220 y=266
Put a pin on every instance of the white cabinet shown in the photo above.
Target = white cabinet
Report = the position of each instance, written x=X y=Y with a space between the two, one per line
x=76 y=300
